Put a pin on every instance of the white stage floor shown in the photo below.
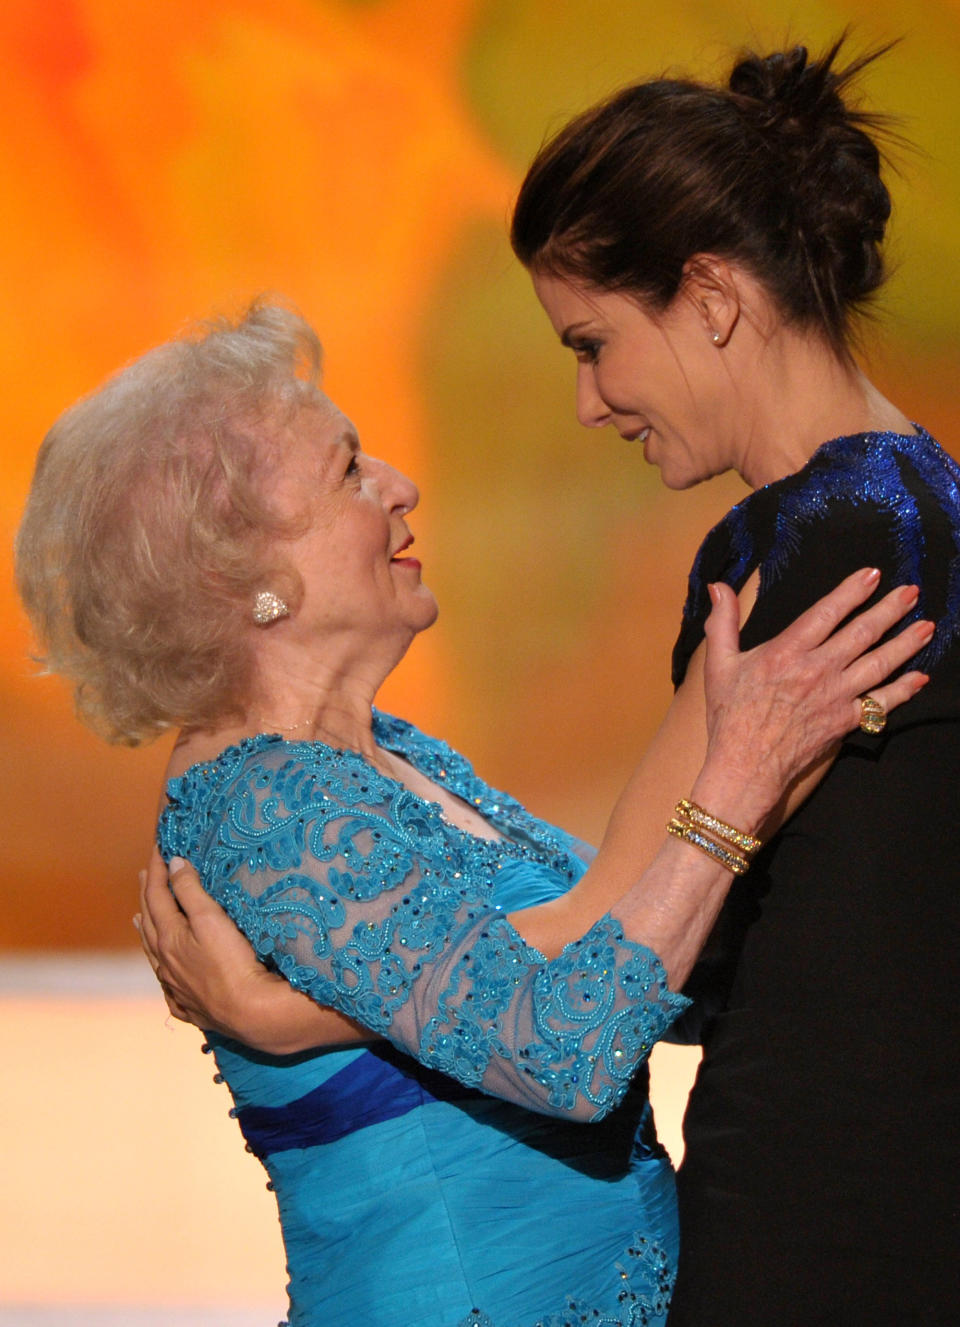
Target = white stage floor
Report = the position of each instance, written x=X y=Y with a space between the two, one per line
x=99 y=1315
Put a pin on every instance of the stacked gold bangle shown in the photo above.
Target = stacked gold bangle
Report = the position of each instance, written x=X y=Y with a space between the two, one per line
x=727 y=845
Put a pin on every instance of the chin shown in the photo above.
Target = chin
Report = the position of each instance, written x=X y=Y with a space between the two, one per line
x=680 y=481
x=428 y=613
x=679 y=477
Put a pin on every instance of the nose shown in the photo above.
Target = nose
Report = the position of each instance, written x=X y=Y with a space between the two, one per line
x=398 y=493
x=592 y=410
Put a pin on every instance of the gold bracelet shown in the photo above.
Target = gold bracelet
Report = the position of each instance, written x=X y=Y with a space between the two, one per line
x=723 y=856
x=696 y=815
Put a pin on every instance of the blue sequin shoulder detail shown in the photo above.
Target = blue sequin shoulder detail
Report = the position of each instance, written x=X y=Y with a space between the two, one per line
x=363 y=896
x=902 y=489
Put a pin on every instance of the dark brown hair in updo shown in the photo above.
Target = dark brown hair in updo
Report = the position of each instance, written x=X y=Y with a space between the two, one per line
x=774 y=172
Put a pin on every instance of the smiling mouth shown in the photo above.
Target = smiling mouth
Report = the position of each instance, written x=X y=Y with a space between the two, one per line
x=641 y=435
x=397 y=556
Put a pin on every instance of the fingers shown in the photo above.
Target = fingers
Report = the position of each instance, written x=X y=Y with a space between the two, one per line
x=814 y=626
x=148 y=948
x=870 y=671
x=144 y=920
x=722 y=629
x=168 y=906
x=895 y=693
x=159 y=917
x=867 y=627
x=157 y=900
x=189 y=893
x=176 y=1008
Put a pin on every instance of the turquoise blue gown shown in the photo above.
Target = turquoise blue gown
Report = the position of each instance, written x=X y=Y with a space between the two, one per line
x=410 y=1194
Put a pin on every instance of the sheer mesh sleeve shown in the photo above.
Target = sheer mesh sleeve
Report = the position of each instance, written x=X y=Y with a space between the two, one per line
x=360 y=897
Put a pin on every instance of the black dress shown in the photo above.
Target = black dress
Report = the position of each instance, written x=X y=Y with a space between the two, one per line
x=821 y=1182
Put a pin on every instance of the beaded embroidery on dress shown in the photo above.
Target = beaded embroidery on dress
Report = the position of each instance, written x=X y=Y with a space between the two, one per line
x=646 y=1274
x=361 y=893
x=364 y=897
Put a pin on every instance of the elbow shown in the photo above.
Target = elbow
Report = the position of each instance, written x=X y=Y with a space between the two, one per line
x=576 y=1107
x=585 y=1112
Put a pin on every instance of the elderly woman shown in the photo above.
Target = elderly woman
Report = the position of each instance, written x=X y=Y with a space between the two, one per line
x=703 y=251
x=206 y=544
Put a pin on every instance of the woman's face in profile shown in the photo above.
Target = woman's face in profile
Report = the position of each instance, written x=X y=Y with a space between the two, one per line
x=359 y=577
x=659 y=381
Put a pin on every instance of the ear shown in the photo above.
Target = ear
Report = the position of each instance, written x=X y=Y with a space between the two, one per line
x=711 y=285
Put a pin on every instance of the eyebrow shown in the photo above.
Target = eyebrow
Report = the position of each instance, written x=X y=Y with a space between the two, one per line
x=570 y=334
x=349 y=439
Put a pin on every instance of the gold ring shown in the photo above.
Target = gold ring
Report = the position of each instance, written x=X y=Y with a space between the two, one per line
x=873 y=717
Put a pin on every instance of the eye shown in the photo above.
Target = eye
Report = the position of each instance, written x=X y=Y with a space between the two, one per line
x=587 y=352
x=353 y=466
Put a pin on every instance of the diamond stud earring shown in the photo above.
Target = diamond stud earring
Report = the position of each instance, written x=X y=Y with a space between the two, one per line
x=267 y=607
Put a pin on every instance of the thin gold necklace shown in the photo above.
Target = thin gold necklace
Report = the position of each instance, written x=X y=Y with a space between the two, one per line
x=270 y=727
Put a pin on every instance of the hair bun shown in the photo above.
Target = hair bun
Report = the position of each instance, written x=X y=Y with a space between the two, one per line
x=785 y=86
x=774 y=172
x=825 y=158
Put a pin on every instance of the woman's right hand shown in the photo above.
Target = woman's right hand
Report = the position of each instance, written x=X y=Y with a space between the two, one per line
x=774 y=711
x=211 y=977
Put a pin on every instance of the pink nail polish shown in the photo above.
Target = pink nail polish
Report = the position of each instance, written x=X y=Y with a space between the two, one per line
x=871 y=574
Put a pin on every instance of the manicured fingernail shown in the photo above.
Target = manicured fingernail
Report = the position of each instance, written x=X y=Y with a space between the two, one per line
x=925 y=631
x=176 y=864
x=870 y=575
x=910 y=594
x=922 y=680
x=714 y=594
x=136 y=922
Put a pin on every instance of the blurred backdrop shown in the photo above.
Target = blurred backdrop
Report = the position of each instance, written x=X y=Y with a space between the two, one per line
x=163 y=161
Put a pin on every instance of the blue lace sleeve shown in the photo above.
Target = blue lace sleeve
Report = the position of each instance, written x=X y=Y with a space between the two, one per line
x=358 y=898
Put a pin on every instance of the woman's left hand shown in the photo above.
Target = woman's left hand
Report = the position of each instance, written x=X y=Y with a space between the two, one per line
x=775 y=710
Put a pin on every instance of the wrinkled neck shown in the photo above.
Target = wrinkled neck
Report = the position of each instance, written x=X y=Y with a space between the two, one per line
x=322 y=690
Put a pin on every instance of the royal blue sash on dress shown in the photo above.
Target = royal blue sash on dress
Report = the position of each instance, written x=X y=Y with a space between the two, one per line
x=381 y=1084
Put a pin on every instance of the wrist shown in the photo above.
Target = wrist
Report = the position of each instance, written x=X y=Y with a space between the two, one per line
x=742 y=799
x=262 y=1013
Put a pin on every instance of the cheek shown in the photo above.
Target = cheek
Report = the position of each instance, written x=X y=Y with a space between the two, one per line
x=637 y=380
x=617 y=384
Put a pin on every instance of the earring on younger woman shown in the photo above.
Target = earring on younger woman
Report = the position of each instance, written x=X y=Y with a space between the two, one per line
x=716 y=338
x=267 y=607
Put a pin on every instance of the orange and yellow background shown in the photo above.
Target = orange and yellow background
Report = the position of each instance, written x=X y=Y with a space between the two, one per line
x=163 y=161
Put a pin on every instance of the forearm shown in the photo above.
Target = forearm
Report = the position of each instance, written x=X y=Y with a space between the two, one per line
x=267 y=1014
x=669 y=902
x=674 y=905
x=636 y=841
